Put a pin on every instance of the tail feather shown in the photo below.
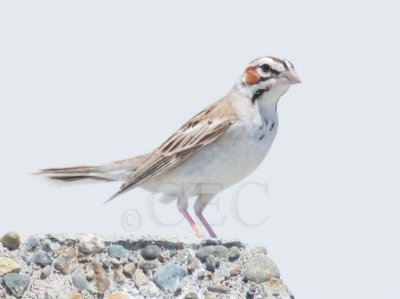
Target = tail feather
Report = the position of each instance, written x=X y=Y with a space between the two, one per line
x=73 y=174
x=117 y=171
x=78 y=178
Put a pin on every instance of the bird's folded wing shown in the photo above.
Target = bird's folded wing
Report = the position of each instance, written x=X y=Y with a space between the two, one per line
x=201 y=130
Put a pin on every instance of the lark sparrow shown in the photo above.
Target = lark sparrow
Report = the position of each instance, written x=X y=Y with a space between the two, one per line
x=221 y=145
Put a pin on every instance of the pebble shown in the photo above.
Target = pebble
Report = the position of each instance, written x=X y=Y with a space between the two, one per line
x=191 y=295
x=46 y=272
x=117 y=251
x=178 y=291
x=162 y=258
x=219 y=251
x=106 y=264
x=129 y=269
x=201 y=274
x=190 y=267
x=32 y=243
x=41 y=258
x=221 y=274
x=211 y=263
x=235 y=271
x=11 y=240
x=251 y=293
x=51 y=246
x=150 y=252
x=261 y=249
x=90 y=275
x=234 y=253
x=207 y=242
x=148 y=266
x=278 y=289
x=236 y=243
x=115 y=262
x=275 y=284
x=260 y=269
x=8 y=265
x=76 y=296
x=101 y=280
x=80 y=282
x=218 y=289
x=119 y=276
x=140 y=278
x=16 y=283
x=67 y=261
x=167 y=277
x=119 y=295
x=91 y=244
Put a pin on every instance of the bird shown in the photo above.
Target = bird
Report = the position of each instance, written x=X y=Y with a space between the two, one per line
x=221 y=145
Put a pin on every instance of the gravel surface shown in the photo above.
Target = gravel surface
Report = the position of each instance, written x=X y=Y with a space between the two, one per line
x=92 y=266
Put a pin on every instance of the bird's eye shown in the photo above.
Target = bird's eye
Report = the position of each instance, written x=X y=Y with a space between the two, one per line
x=265 y=68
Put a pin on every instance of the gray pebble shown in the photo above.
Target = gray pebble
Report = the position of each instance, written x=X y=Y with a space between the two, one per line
x=90 y=275
x=211 y=263
x=46 y=272
x=150 y=252
x=217 y=251
x=201 y=275
x=234 y=253
x=16 y=283
x=41 y=258
x=51 y=246
x=148 y=266
x=222 y=273
x=117 y=251
x=106 y=264
x=32 y=243
x=260 y=269
x=80 y=282
x=230 y=244
x=218 y=289
x=167 y=278
x=209 y=242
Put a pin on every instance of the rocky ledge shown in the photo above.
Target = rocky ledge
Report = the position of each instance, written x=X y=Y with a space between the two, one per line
x=89 y=266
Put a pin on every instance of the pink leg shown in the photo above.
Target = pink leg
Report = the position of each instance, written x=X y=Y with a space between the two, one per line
x=206 y=225
x=201 y=202
x=191 y=222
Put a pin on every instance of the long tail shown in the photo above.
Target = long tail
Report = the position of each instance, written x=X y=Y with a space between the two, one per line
x=117 y=171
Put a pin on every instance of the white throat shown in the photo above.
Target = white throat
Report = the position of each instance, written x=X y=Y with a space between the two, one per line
x=268 y=101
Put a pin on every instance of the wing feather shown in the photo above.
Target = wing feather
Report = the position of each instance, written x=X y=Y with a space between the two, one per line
x=201 y=130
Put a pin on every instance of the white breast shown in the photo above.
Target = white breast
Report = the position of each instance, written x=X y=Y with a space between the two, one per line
x=229 y=159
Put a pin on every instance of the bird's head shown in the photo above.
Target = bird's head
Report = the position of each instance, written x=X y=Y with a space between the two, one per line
x=267 y=74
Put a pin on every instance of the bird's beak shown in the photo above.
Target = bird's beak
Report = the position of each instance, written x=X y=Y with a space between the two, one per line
x=291 y=77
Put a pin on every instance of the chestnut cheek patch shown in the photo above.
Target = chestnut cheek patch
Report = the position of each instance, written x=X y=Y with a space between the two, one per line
x=252 y=76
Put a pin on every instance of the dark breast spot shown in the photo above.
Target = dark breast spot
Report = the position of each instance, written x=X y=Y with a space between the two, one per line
x=272 y=126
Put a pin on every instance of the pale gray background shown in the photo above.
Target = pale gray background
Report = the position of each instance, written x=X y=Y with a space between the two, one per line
x=94 y=81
